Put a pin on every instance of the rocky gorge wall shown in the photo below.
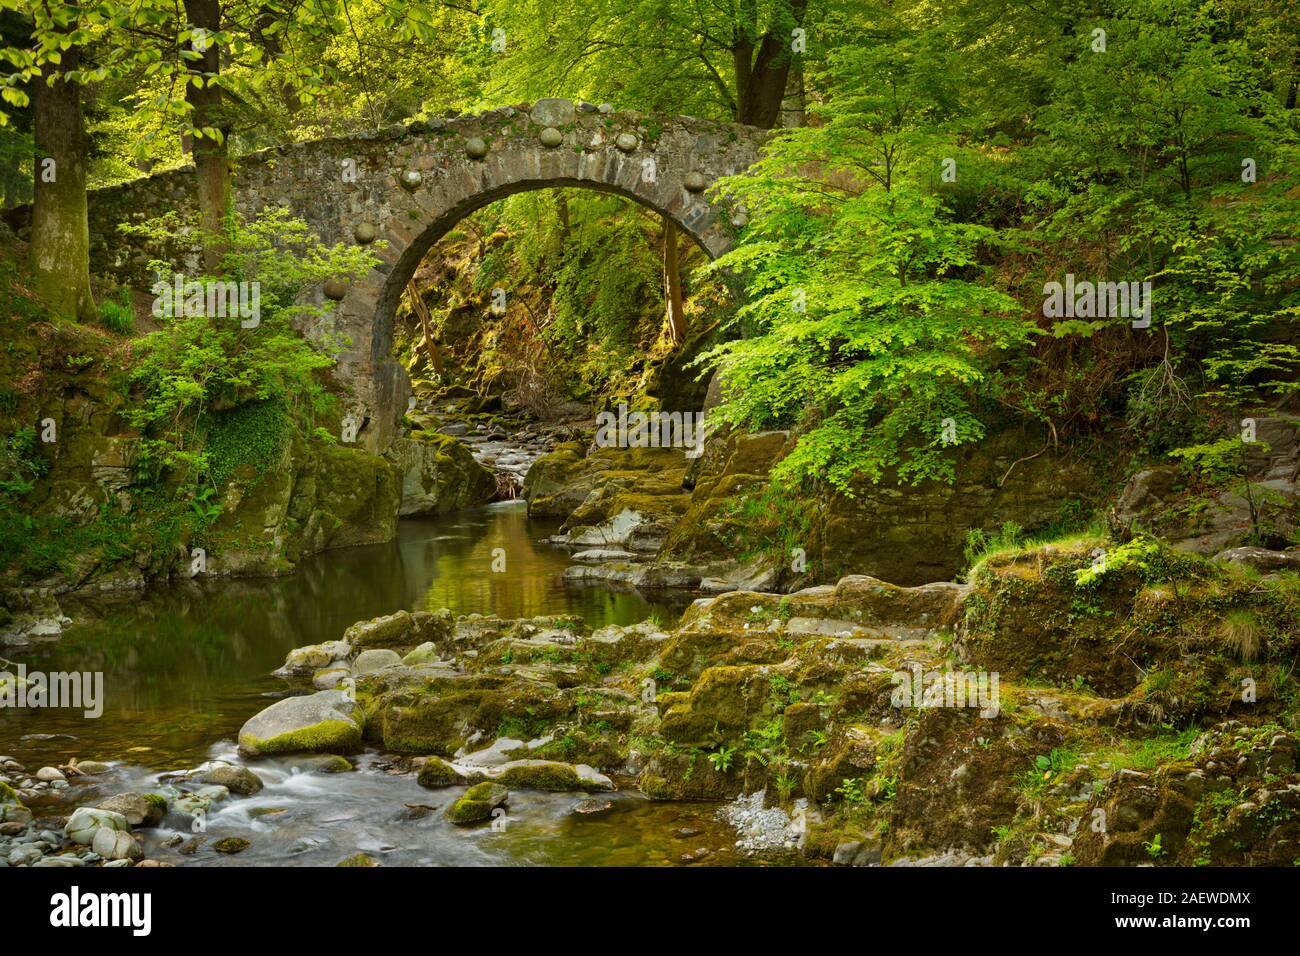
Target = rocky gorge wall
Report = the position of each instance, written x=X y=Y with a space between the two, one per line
x=710 y=524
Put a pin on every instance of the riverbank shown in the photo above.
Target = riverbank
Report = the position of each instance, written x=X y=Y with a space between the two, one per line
x=858 y=724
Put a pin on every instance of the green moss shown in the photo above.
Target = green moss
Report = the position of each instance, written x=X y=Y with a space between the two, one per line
x=339 y=735
x=157 y=801
x=436 y=772
x=556 y=777
x=477 y=804
x=655 y=787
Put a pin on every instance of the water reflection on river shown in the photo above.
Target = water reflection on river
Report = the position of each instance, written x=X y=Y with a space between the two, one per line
x=185 y=666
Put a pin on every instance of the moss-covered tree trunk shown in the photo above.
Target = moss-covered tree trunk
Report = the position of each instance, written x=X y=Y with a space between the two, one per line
x=673 y=285
x=211 y=162
x=60 y=247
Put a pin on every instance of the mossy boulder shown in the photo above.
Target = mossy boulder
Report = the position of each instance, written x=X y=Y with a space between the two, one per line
x=390 y=630
x=426 y=653
x=1191 y=631
x=238 y=780
x=436 y=772
x=550 y=775
x=559 y=481
x=305 y=661
x=402 y=630
x=478 y=803
x=689 y=775
x=722 y=704
x=325 y=721
x=315 y=497
x=322 y=763
x=439 y=474
x=231 y=845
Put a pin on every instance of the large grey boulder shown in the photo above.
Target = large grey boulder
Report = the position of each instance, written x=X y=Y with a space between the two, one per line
x=553 y=112
x=327 y=721
x=1261 y=558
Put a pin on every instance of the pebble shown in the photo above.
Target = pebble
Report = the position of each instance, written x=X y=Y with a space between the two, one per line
x=759 y=827
x=24 y=855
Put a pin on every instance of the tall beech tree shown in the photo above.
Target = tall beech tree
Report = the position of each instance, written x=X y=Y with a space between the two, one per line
x=211 y=128
x=50 y=65
x=60 y=245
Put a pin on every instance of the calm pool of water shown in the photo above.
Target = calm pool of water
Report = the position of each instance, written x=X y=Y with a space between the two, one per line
x=185 y=666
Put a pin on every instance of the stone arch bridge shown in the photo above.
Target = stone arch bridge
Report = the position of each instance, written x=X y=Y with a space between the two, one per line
x=408 y=185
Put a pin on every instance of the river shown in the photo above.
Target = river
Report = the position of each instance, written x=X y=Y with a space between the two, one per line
x=185 y=666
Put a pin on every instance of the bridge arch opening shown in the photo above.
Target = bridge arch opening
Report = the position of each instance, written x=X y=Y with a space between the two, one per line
x=404 y=270
x=549 y=301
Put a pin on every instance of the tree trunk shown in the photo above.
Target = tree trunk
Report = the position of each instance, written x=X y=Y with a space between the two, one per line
x=673 y=285
x=761 y=77
x=60 y=248
x=794 y=109
x=562 y=201
x=211 y=163
x=430 y=344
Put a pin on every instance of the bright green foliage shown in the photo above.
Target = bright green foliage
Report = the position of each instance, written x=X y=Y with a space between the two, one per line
x=583 y=269
x=20 y=465
x=866 y=322
x=197 y=365
x=641 y=54
x=117 y=314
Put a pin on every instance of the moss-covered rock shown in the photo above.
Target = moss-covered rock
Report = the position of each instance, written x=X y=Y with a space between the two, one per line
x=558 y=482
x=358 y=859
x=318 y=496
x=439 y=473
x=324 y=721
x=550 y=775
x=436 y=772
x=478 y=803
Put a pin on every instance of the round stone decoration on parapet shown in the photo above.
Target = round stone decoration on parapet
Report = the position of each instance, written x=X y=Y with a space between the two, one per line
x=627 y=142
x=695 y=182
x=364 y=233
x=740 y=217
x=476 y=147
x=411 y=179
x=335 y=289
x=551 y=137
x=553 y=112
